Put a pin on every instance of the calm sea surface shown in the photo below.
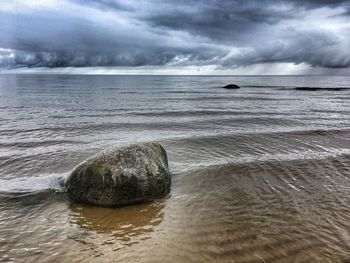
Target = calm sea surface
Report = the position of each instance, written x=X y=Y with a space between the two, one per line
x=259 y=174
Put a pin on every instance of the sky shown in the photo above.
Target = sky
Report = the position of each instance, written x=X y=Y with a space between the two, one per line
x=175 y=36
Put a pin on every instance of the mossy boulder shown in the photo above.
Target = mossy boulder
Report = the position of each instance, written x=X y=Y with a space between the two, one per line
x=121 y=176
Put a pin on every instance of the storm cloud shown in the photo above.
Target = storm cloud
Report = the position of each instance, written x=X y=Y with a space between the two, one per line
x=179 y=33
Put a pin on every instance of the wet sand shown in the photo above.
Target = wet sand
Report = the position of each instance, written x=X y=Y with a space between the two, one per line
x=294 y=211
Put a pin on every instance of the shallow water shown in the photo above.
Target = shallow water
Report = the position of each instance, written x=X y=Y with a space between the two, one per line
x=260 y=174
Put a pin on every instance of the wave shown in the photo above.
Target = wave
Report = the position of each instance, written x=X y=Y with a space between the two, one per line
x=203 y=151
x=24 y=186
x=195 y=153
x=180 y=124
x=32 y=144
x=194 y=113
x=287 y=132
x=33 y=184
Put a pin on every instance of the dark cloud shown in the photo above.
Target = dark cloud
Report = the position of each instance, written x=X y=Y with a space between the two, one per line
x=312 y=48
x=220 y=20
x=106 y=4
x=225 y=34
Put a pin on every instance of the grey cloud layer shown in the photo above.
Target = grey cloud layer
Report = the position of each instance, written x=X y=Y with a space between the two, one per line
x=222 y=33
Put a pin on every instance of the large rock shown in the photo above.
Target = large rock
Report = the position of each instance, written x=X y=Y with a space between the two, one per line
x=121 y=176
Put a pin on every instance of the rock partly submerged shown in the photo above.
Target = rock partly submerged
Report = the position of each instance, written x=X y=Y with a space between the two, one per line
x=321 y=89
x=121 y=176
x=231 y=86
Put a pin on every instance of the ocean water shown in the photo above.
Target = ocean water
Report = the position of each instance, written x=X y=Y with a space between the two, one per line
x=259 y=174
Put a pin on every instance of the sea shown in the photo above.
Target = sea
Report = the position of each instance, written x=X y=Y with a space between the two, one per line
x=259 y=174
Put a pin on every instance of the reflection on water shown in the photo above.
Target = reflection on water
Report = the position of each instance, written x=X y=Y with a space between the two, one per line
x=98 y=231
x=123 y=224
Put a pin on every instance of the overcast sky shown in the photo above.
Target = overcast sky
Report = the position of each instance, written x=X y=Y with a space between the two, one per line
x=176 y=36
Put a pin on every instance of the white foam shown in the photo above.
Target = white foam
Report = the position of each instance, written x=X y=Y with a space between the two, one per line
x=33 y=184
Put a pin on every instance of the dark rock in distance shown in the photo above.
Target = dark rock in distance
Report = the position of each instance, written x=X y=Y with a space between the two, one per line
x=320 y=89
x=231 y=86
x=121 y=176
